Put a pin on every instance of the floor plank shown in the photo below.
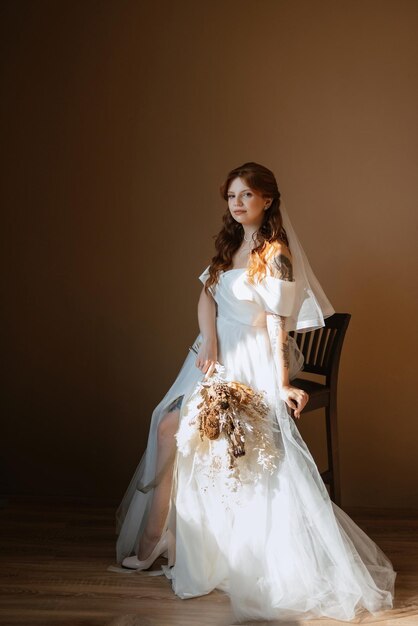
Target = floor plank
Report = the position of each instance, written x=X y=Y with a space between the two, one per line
x=55 y=555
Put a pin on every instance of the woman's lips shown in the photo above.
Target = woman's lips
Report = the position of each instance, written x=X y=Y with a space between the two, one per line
x=239 y=211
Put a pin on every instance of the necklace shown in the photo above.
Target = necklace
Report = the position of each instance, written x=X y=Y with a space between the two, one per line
x=245 y=249
x=250 y=241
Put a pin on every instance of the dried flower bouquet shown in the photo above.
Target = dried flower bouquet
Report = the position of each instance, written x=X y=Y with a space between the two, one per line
x=228 y=426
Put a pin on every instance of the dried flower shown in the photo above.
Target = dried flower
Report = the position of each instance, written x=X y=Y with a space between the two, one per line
x=224 y=409
x=232 y=412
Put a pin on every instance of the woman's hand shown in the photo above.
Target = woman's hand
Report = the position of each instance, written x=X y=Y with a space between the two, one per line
x=207 y=356
x=295 y=398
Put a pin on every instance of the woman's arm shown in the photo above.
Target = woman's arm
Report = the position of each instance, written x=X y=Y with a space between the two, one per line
x=279 y=340
x=208 y=351
x=295 y=398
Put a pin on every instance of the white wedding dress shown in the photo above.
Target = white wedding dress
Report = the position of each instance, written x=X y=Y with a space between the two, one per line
x=274 y=541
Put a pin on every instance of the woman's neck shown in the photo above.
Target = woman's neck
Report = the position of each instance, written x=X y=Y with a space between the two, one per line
x=249 y=231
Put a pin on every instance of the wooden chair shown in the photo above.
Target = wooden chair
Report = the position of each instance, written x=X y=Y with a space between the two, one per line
x=322 y=350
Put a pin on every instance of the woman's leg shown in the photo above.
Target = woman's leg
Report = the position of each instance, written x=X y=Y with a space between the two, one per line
x=161 y=496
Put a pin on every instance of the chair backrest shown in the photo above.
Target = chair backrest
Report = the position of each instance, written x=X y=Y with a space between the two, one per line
x=321 y=348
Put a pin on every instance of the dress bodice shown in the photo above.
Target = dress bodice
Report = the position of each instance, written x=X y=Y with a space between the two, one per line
x=239 y=300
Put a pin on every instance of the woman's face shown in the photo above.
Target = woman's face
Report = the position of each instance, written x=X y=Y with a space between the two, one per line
x=246 y=205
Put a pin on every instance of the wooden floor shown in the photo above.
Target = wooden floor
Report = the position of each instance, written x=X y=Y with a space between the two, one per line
x=55 y=555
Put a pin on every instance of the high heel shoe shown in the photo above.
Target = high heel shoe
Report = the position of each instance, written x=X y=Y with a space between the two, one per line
x=160 y=549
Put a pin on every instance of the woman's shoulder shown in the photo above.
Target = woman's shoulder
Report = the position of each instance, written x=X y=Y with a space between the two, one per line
x=279 y=260
x=275 y=248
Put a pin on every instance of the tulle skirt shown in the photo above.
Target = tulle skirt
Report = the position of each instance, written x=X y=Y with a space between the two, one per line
x=272 y=539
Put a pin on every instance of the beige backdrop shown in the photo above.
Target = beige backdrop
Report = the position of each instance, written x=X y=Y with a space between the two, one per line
x=119 y=122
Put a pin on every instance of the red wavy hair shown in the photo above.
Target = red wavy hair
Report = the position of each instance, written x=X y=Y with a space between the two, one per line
x=269 y=235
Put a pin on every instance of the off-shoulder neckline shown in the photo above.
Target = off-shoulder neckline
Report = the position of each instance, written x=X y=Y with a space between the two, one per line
x=234 y=269
x=242 y=269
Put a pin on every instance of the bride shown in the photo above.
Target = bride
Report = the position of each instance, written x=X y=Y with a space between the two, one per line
x=227 y=489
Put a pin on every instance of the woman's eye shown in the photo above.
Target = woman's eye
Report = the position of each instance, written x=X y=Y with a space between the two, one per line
x=248 y=193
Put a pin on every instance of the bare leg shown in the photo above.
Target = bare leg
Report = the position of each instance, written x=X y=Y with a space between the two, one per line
x=161 y=496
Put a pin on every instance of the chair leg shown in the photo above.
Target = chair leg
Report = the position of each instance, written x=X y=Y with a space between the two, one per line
x=333 y=451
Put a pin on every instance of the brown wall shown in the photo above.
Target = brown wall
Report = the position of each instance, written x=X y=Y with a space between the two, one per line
x=119 y=121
